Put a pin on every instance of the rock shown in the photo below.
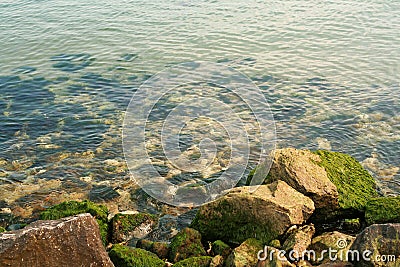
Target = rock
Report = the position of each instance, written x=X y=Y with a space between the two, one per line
x=272 y=257
x=351 y=225
x=245 y=254
x=186 y=244
x=354 y=184
x=73 y=240
x=125 y=227
x=337 y=264
x=203 y=261
x=299 y=240
x=158 y=248
x=217 y=261
x=383 y=210
x=220 y=248
x=329 y=246
x=299 y=169
x=380 y=241
x=263 y=211
x=336 y=182
x=70 y=208
x=133 y=257
x=275 y=243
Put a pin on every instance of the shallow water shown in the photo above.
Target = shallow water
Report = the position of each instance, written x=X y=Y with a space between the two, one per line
x=330 y=71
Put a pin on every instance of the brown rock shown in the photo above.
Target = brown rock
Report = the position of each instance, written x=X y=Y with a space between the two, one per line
x=273 y=257
x=383 y=243
x=336 y=242
x=299 y=170
x=71 y=241
x=245 y=254
x=299 y=240
x=263 y=212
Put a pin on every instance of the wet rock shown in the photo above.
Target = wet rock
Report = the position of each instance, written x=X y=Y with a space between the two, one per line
x=131 y=226
x=69 y=208
x=381 y=241
x=245 y=254
x=203 y=261
x=159 y=248
x=127 y=256
x=75 y=240
x=265 y=212
x=186 y=244
x=272 y=257
x=299 y=240
x=383 y=210
x=331 y=246
x=298 y=168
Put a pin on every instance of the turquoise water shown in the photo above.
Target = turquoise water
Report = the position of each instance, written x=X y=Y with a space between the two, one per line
x=330 y=71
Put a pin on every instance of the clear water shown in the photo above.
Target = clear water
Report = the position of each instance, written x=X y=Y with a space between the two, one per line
x=329 y=69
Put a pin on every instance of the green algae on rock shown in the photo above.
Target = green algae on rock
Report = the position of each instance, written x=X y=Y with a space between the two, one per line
x=128 y=226
x=383 y=210
x=70 y=208
x=123 y=256
x=245 y=254
x=2 y=229
x=159 y=248
x=220 y=248
x=186 y=244
x=202 y=261
x=354 y=184
x=265 y=212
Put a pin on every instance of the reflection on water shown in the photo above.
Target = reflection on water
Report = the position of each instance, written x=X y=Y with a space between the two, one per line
x=329 y=70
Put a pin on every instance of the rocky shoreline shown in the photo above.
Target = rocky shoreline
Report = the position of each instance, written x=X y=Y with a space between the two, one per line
x=316 y=208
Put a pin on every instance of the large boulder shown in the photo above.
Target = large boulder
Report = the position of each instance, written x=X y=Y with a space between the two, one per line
x=70 y=208
x=381 y=243
x=299 y=169
x=74 y=240
x=383 y=210
x=337 y=183
x=263 y=212
x=245 y=254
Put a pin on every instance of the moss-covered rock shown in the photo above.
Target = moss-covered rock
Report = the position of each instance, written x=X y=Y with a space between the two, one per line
x=245 y=254
x=186 y=244
x=2 y=229
x=202 y=261
x=265 y=212
x=127 y=226
x=383 y=210
x=159 y=248
x=354 y=184
x=123 y=256
x=220 y=248
x=70 y=208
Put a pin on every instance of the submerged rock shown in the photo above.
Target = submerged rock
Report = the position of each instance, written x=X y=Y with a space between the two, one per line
x=186 y=244
x=382 y=241
x=134 y=257
x=128 y=226
x=69 y=208
x=245 y=254
x=264 y=212
x=383 y=210
x=73 y=240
